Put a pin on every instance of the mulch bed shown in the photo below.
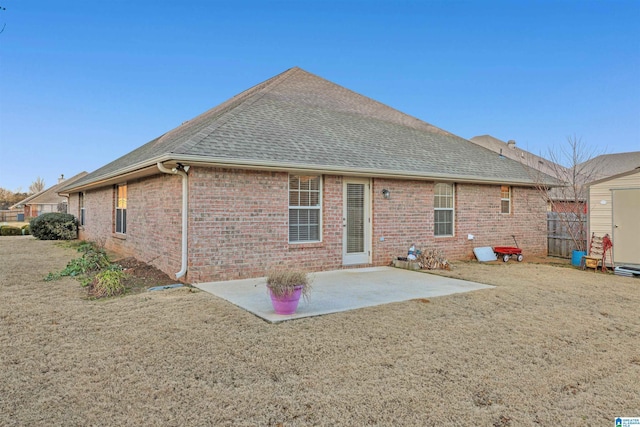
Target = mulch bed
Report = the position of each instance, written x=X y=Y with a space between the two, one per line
x=141 y=276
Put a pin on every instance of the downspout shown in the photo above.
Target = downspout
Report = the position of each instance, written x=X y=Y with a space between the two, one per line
x=182 y=171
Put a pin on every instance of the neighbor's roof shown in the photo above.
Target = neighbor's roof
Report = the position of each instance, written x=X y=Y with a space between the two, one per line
x=607 y=165
x=299 y=121
x=514 y=152
x=50 y=195
x=635 y=171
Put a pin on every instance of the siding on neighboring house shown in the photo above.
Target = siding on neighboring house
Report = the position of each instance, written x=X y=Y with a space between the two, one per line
x=239 y=222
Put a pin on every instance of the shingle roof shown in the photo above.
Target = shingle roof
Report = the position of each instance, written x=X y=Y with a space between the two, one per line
x=635 y=171
x=299 y=120
x=50 y=195
x=607 y=165
x=512 y=151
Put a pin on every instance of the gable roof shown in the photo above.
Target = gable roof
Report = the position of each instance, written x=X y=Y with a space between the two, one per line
x=607 y=165
x=542 y=165
x=512 y=151
x=299 y=121
x=50 y=196
x=635 y=171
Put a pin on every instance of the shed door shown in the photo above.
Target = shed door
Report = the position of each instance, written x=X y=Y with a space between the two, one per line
x=626 y=226
x=355 y=222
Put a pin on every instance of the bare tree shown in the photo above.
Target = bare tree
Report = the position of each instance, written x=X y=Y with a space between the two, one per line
x=567 y=163
x=36 y=186
x=8 y=198
x=5 y=24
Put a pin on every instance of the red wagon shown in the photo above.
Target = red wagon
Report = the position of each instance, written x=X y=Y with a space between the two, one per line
x=506 y=252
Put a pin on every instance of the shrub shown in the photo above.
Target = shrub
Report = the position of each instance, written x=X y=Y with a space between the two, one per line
x=282 y=281
x=108 y=282
x=26 y=230
x=94 y=258
x=8 y=230
x=54 y=226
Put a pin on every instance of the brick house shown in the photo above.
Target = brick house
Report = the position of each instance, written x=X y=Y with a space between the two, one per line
x=559 y=200
x=48 y=200
x=298 y=170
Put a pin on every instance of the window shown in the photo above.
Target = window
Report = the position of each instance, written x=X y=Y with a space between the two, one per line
x=443 y=210
x=81 y=203
x=505 y=199
x=121 y=208
x=304 y=208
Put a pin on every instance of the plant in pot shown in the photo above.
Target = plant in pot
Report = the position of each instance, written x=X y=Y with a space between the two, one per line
x=286 y=286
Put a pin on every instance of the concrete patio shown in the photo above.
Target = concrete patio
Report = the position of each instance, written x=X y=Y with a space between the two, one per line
x=341 y=290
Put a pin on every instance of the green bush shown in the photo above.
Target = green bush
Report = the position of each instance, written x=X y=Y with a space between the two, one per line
x=8 y=230
x=26 y=230
x=54 y=226
x=108 y=282
x=94 y=258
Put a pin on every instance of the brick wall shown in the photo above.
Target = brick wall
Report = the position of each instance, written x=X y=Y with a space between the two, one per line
x=153 y=220
x=404 y=218
x=240 y=225
x=98 y=214
x=407 y=217
x=238 y=222
x=478 y=213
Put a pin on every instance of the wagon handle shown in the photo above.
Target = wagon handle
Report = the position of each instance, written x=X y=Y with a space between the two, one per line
x=514 y=239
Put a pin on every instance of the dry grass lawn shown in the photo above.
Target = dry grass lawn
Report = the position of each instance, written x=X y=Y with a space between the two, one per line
x=549 y=346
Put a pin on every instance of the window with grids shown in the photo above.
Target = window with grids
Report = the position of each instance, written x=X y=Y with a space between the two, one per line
x=304 y=208
x=505 y=199
x=121 y=208
x=443 y=210
x=82 y=211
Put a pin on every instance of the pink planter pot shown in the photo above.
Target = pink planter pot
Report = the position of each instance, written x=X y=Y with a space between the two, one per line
x=288 y=303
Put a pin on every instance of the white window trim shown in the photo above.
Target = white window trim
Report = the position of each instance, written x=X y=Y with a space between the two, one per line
x=83 y=210
x=452 y=209
x=503 y=199
x=318 y=208
x=124 y=184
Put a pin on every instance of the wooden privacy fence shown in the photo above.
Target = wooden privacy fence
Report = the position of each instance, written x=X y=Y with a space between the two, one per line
x=561 y=227
x=9 y=215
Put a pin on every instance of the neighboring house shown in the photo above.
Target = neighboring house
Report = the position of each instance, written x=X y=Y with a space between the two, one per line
x=511 y=151
x=300 y=171
x=607 y=165
x=47 y=200
x=614 y=209
x=559 y=199
x=597 y=168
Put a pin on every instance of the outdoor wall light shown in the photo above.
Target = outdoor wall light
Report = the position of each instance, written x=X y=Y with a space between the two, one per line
x=386 y=193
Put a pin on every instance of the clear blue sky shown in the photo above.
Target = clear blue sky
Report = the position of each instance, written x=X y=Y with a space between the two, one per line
x=84 y=82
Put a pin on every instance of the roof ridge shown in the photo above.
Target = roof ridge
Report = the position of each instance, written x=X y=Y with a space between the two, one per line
x=406 y=117
x=54 y=189
x=298 y=119
x=238 y=102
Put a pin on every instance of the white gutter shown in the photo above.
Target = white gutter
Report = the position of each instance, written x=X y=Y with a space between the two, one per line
x=120 y=174
x=182 y=171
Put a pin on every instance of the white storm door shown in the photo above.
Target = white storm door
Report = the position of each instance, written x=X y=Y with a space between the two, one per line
x=356 y=222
